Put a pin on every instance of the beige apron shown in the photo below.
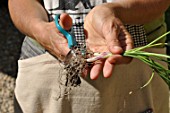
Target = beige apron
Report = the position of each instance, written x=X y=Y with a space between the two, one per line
x=40 y=89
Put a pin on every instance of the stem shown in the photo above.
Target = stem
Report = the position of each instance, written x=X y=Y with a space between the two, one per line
x=147 y=83
x=154 y=45
x=146 y=54
x=150 y=44
x=157 y=39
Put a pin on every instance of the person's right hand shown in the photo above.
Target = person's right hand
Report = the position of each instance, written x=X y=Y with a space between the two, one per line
x=51 y=38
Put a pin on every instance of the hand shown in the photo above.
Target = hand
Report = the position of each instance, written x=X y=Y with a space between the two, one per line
x=51 y=39
x=105 y=32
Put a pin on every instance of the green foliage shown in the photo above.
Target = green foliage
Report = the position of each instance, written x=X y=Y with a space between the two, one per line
x=149 y=58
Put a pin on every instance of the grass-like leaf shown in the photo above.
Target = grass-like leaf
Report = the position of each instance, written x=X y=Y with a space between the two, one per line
x=152 y=59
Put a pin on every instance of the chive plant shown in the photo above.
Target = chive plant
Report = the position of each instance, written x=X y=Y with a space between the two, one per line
x=152 y=59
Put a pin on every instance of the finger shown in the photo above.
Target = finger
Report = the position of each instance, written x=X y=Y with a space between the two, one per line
x=58 y=43
x=126 y=44
x=85 y=33
x=96 y=70
x=125 y=39
x=86 y=71
x=108 y=69
x=119 y=59
x=65 y=21
x=60 y=46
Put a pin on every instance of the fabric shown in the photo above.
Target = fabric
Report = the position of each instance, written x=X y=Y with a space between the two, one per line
x=78 y=29
x=138 y=34
x=156 y=28
x=40 y=89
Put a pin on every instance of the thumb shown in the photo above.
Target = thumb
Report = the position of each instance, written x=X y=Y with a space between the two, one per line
x=65 y=21
x=111 y=34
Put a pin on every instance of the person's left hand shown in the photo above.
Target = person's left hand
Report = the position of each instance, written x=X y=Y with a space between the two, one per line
x=105 y=32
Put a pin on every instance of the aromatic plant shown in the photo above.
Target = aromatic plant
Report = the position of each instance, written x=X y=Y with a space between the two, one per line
x=152 y=59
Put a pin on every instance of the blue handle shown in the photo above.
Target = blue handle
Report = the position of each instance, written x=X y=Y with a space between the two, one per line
x=70 y=39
